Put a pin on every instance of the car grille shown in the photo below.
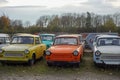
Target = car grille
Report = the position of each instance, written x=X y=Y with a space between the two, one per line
x=110 y=56
x=13 y=54
x=62 y=55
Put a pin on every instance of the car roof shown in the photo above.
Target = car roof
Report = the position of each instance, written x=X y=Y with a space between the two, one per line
x=4 y=35
x=48 y=34
x=69 y=35
x=104 y=35
x=25 y=34
x=92 y=36
x=108 y=36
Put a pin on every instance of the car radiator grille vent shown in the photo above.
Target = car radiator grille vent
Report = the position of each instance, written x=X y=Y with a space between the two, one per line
x=62 y=55
x=9 y=54
x=110 y=57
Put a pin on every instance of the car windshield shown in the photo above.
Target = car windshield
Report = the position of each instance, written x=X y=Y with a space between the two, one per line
x=22 y=40
x=66 y=41
x=108 y=41
x=4 y=40
x=47 y=38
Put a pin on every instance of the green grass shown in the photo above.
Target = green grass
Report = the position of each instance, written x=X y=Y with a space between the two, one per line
x=41 y=67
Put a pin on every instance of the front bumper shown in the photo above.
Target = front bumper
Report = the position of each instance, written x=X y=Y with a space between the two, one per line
x=107 y=62
x=14 y=60
x=62 y=62
x=63 y=58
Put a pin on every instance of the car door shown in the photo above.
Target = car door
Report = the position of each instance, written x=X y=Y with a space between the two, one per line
x=81 y=45
x=39 y=47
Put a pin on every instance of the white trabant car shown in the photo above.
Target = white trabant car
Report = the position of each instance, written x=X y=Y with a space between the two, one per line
x=107 y=50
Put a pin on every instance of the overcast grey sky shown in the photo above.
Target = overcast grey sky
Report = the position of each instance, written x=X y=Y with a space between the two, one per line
x=31 y=10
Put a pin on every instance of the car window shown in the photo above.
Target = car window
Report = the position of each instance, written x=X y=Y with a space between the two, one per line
x=22 y=40
x=108 y=41
x=96 y=38
x=47 y=38
x=72 y=41
x=7 y=40
x=80 y=39
x=2 y=40
x=37 y=41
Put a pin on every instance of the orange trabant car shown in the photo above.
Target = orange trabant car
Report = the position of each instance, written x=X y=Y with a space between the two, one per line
x=66 y=49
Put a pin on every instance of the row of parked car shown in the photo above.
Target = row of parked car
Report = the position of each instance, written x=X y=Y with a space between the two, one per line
x=59 y=49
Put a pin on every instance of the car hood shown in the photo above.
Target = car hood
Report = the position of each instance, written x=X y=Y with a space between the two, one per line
x=17 y=47
x=63 y=49
x=47 y=42
x=2 y=45
x=109 y=49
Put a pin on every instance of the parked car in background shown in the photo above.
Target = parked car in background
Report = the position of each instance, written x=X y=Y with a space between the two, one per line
x=107 y=50
x=4 y=40
x=65 y=49
x=47 y=39
x=23 y=48
x=91 y=36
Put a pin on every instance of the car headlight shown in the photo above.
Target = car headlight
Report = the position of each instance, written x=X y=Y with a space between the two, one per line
x=1 y=50
x=75 y=53
x=97 y=53
x=47 y=53
x=26 y=51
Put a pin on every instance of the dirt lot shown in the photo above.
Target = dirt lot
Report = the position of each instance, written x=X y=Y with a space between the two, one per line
x=84 y=76
x=40 y=71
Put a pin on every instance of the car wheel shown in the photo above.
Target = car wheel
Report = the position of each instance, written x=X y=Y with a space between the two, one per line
x=98 y=65
x=31 y=61
x=41 y=58
x=3 y=63
x=77 y=65
x=44 y=53
x=49 y=64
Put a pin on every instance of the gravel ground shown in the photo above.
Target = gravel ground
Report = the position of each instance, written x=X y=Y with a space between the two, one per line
x=86 y=74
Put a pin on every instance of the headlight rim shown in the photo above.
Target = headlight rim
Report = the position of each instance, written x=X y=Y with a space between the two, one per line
x=47 y=54
x=26 y=51
x=1 y=51
x=96 y=53
x=75 y=54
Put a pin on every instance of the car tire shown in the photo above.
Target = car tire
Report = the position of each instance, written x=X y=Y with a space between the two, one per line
x=49 y=64
x=41 y=58
x=31 y=61
x=98 y=65
x=3 y=63
x=77 y=65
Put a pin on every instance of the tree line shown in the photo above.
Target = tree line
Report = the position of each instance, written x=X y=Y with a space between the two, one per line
x=67 y=23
